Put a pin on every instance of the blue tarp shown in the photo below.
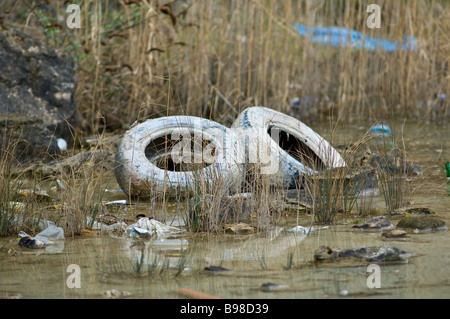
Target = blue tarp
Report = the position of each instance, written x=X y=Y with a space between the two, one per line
x=343 y=37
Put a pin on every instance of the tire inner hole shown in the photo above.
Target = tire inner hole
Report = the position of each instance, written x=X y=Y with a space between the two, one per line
x=296 y=148
x=180 y=156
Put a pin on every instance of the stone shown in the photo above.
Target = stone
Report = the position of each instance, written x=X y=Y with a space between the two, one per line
x=421 y=224
x=376 y=223
x=366 y=254
x=37 y=85
x=395 y=234
x=239 y=229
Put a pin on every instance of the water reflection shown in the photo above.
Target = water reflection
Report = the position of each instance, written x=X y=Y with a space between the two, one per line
x=157 y=268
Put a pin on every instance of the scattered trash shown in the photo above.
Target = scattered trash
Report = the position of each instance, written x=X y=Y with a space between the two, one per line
x=50 y=239
x=149 y=227
x=35 y=194
x=272 y=287
x=113 y=191
x=62 y=144
x=119 y=228
x=116 y=202
x=195 y=294
x=381 y=130
x=29 y=242
x=60 y=184
x=304 y=230
x=376 y=223
x=216 y=269
x=343 y=37
x=114 y=294
x=343 y=292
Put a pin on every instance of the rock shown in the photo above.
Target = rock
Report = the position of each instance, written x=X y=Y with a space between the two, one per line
x=376 y=223
x=414 y=212
x=25 y=138
x=395 y=234
x=216 y=269
x=366 y=254
x=239 y=229
x=37 y=85
x=421 y=224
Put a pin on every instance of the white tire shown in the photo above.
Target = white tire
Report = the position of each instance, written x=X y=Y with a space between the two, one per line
x=264 y=148
x=138 y=173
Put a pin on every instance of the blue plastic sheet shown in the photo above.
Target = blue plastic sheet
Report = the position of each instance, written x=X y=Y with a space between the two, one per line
x=343 y=37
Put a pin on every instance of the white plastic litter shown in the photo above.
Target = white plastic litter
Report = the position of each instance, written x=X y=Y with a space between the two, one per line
x=51 y=238
x=304 y=230
x=62 y=144
x=117 y=202
x=148 y=228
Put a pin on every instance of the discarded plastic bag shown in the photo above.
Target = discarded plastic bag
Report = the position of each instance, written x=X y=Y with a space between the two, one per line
x=148 y=227
x=301 y=230
x=51 y=239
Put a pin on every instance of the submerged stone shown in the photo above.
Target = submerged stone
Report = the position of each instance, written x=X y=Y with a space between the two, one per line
x=396 y=234
x=367 y=254
x=422 y=224
x=376 y=223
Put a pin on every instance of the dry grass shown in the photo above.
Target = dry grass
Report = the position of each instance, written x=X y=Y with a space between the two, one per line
x=143 y=59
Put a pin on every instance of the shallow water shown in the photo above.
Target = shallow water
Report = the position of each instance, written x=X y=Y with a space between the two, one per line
x=157 y=269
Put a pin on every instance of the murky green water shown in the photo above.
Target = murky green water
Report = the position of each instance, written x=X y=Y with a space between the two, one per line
x=157 y=269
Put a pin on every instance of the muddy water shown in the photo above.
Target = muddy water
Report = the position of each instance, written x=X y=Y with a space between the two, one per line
x=157 y=269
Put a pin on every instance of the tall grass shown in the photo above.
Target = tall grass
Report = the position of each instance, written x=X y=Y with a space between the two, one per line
x=141 y=59
x=9 y=188
x=338 y=190
x=392 y=169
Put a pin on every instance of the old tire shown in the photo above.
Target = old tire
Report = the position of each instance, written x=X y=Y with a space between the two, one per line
x=298 y=151
x=143 y=145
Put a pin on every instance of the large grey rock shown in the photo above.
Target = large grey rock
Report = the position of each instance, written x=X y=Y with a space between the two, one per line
x=37 y=84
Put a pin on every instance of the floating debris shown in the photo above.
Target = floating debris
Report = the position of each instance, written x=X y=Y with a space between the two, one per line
x=304 y=230
x=272 y=287
x=216 y=269
x=376 y=223
x=195 y=294
x=367 y=254
x=62 y=144
x=115 y=294
x=30 y=242
x=149 y=227
x=116 y=202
